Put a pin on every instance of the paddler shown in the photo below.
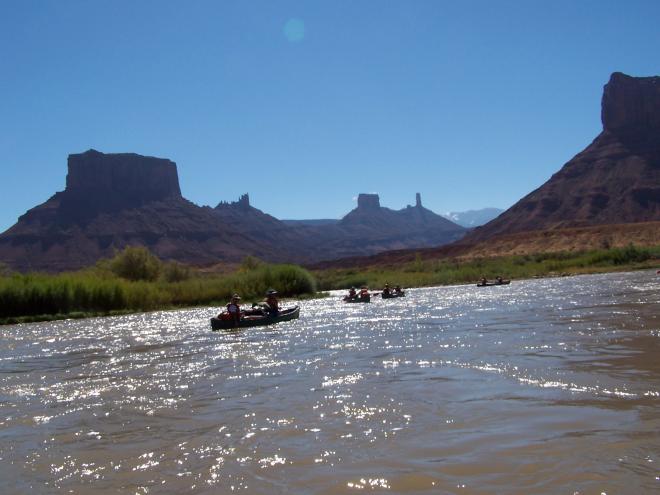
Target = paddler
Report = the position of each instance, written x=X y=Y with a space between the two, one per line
x=234 y=309
x=272 y=304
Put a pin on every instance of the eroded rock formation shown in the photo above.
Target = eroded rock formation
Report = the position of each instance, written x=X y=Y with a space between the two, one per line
x=115 y=200
x=368 y=201
x=615 y=180
x=631 y=103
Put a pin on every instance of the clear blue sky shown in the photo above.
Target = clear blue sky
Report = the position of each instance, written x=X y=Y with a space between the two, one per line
x=305 y=104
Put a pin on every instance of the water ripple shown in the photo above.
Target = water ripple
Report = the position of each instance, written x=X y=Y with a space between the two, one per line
x=543 y=386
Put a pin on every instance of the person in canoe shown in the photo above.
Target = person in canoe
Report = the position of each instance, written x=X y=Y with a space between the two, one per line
x=483 y=281
x=352 y=294
x=272 y=305
x=364 y=292
x=386 y=290
x=233 y=310
x=397 y=289
x=498 y=280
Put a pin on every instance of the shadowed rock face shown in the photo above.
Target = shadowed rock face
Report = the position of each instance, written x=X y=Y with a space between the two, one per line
x=615 y=180
x=368 y=201
x=631 y=103
x=368 y=229
x=143 y=177
x=98 y=182
x=247 y=219
x=412 y=219
x=371 y=228
x=115 y=200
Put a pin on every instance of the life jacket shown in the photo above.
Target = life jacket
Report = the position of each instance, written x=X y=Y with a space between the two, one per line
x=228 y=315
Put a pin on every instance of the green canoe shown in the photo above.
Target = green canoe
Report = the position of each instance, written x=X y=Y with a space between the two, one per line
x=256 y=320
x=357 y=299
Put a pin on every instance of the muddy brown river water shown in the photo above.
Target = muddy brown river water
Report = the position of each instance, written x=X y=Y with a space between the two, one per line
x=544 y=386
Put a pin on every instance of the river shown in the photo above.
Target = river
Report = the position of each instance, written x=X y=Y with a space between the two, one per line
x=547 y=386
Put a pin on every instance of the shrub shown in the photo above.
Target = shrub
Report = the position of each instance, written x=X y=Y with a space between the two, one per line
x=5 y=271
x=176 y=272
x=250 y=263
x=101 y=291
x=136 y=263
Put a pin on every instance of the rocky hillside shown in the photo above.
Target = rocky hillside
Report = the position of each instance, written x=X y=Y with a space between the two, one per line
x=371 y=228
x=367 y=229
x=115 y=200
x=264 y=228
x=369 y=214
x=606 y=196
x=615 y=180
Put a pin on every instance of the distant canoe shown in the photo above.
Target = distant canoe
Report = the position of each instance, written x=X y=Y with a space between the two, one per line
x=256 y=321
x=392 y=295
x=357 y=299
x=490 y=284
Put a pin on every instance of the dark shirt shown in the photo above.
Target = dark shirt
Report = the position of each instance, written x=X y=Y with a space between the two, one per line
x=273 y=306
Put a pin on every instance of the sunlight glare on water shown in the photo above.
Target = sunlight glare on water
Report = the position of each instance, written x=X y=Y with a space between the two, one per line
x=543 y=386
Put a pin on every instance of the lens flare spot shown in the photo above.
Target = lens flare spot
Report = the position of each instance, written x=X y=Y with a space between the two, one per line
x=294 y=30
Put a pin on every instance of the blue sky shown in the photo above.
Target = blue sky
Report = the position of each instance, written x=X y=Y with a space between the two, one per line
x=306 y=104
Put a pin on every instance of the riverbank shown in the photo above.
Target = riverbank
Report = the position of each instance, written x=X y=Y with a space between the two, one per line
x=99 y=291
x=425 y=273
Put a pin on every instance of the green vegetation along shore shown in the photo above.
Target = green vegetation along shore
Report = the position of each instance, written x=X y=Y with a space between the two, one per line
x=427 y=273
x=135 y=281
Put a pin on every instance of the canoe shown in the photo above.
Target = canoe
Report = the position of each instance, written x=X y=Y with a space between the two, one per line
x=490 y=284
x=392 y=295
x=357 y=299
x=256 y=321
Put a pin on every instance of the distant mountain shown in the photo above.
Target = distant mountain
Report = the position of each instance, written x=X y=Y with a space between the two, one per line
x=115 y=200
x=371 y=228
x=468 y=219
x=311 y=223
x=473 y=218
x=265 y=229
x=615 y=180
x=242 y=215
x=413 y=219
x=367 y=229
